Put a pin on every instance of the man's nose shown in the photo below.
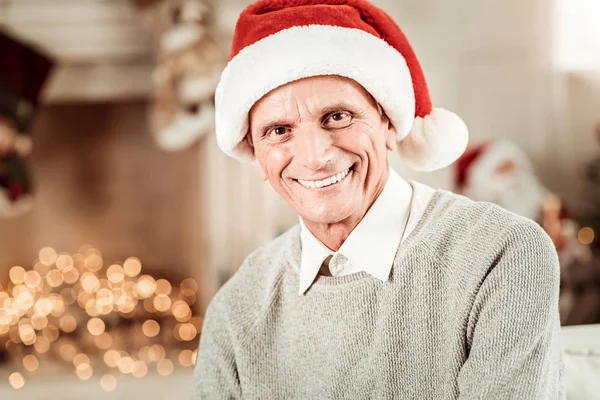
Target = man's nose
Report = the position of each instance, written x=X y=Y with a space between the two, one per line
x=312 y=148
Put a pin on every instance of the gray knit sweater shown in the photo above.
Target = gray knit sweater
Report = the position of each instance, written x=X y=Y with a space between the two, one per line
x=470 y=312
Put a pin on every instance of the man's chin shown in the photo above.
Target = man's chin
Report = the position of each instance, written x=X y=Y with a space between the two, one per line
x=327 y=215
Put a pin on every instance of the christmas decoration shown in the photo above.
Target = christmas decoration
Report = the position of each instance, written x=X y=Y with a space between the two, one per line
x=499 y=172
x=23 y=72
x=189 y=63
x=76 y=313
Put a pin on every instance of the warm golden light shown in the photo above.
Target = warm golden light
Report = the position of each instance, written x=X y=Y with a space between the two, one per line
x=70 y=275
x=51 y=333
x=194 y=356
x=93 y=262
x=128 y=305
x=55 y=278
x=44 y=306
x=96 y=326
x=27 y=334
x=85 y=372
x=32 y=279
x=151 y=328
x=17 y=275
x=189 y=287
x=89 y=282
x=163 y=287
x=125 y=365
x=164 y=367
x=115 y=273
x=146 y=286
x=53 y=294
x=181 y=311
x=67 y=352
x=187 y=332
x=58 y=305
x=31 y=363
x=80 y=361
x=64 y=261
x=111 y=358
x=105 y=297
x=104 y=341
x=108 y=382
x=140 y=369
x=186 y=358
x=41 y=345
x=39 y=321
x=47 y=256
x=16 y=380
x=156 y=352
x=68 y=323
x=5 y=300
x=162 y=303
x=132 y=266
x=586 y=235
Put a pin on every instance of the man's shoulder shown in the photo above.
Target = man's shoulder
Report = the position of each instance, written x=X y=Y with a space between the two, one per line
x=470 y=237
x=464 y=216
x=248 y=293
x=481 y=228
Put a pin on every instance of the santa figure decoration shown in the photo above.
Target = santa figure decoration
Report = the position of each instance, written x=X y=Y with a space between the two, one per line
x=189 y=64
x=23 y=72
x=500 y=172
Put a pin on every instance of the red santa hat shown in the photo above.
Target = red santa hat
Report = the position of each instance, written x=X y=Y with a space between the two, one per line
x=280 y=41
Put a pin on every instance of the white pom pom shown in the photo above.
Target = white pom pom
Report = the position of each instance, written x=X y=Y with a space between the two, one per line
x=434 y=142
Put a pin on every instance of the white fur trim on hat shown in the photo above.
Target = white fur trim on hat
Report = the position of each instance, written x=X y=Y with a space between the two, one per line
x=307 y=51
x=435 y=141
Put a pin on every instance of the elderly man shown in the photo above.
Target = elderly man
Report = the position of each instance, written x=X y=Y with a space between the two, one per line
x=386 y=288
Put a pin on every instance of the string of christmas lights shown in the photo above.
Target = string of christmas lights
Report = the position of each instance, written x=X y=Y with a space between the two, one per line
x=77 y=313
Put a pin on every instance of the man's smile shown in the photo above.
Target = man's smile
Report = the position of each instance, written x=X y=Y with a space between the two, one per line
x=329 y=181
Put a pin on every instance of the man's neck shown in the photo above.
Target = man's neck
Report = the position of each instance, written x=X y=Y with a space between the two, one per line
x=334 y=235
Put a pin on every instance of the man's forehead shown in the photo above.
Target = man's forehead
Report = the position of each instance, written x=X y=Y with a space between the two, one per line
x=314 y=93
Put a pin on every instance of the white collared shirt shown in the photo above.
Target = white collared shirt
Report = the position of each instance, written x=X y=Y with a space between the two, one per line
x=372 y=245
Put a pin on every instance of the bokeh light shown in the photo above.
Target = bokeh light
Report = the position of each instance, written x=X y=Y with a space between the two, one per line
x=108 y=382
x=16 y=380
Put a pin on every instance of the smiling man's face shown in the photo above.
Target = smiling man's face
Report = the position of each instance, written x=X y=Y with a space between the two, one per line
x=322 y=143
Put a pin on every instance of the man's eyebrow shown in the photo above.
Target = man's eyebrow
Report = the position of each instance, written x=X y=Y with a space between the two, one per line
x=339 y=106
x=328 y=109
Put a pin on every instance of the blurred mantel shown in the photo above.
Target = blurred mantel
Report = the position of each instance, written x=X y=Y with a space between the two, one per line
x=103 y=53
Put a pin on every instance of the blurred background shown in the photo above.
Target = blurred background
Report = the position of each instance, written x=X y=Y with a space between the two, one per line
x=120 y=218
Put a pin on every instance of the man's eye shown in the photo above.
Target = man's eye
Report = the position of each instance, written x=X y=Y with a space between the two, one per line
x=279 y=131
x=339 y=116
x=339 y=119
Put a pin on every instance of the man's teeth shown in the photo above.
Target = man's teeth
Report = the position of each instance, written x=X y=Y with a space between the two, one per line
x=324 y=182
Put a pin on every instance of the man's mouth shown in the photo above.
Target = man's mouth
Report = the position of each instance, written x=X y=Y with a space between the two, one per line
x=329 y=181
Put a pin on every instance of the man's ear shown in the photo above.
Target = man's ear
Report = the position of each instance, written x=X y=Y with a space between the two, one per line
x=390 y=135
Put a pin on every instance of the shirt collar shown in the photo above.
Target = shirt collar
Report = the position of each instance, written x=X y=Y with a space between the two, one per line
x=372 y=245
